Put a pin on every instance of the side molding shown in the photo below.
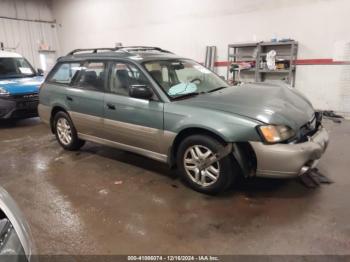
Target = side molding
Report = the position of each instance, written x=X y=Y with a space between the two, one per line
x=141 y=151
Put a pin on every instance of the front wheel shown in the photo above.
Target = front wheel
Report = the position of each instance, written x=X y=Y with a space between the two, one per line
x=216 y=178
x=65 y=132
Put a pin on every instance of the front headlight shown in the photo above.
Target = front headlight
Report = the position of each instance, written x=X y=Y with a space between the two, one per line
x=275 y=134
x=3 y=92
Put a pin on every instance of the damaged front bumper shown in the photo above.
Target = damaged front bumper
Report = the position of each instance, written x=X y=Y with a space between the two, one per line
x=290 y=160
x=19 y=106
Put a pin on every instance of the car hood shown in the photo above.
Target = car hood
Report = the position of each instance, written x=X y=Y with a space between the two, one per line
x=16 y=86
x=267 y=103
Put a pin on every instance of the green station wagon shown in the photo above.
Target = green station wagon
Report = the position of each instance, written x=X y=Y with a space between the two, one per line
x=151 y=102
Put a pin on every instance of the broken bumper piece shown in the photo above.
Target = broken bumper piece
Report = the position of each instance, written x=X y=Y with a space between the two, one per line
x=290 y=160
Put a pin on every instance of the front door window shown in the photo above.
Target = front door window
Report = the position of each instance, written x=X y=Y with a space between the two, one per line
x=123 y=76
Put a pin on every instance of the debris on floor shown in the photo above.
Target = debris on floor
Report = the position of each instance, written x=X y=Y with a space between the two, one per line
x=332 y=116
x=314 y=178
x=58 y=158
x=118 y=182
x=103 y=192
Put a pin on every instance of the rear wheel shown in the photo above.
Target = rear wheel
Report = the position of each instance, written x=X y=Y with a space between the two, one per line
x=216 y=178
x=66 y=133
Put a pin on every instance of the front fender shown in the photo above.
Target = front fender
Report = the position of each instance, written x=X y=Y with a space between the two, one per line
x=230 y=127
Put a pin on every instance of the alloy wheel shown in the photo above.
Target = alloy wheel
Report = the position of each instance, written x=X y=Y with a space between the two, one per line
x=193 y=159
x=64 y=131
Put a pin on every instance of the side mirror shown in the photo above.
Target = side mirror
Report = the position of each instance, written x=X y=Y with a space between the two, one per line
x=40 y=72
x=140 y=91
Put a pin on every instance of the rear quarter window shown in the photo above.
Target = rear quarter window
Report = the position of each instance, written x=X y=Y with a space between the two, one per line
x=65 y=73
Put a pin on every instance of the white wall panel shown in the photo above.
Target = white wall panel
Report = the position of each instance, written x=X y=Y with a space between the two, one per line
x=24 y=37
x=187 y=26
x=26 y=9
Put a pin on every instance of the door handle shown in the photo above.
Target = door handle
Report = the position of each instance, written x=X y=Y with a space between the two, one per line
x=110 y=106
x=69 y=98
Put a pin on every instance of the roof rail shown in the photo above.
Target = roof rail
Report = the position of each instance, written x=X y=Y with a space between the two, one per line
x=94 y=50
x=121 y=48
x=142 y=48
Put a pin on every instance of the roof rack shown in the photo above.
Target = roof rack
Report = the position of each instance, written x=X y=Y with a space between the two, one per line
x=94 y=50
x=121 y=48
x=143 y=48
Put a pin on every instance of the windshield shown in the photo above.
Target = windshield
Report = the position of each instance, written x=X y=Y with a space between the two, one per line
x=13 y=67
x=179 y=78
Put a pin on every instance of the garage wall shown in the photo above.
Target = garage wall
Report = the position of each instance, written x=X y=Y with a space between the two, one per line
x=24 y=25
x=186 y=27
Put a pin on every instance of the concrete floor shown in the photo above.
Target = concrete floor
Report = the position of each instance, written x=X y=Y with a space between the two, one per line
x=104 y=201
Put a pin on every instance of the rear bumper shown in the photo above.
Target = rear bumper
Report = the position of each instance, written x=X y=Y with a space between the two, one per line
x=13 y=108
x=290 y=160
x=44 y=113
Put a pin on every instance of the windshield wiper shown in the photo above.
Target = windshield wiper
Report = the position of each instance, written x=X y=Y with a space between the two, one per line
x=186 y=95
x=217 y=89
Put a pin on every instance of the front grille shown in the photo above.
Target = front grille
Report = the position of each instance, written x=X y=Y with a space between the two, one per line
x=3 y=112
x=26 y=97
x=24 y=113
x=26 y=101
x=310 y=128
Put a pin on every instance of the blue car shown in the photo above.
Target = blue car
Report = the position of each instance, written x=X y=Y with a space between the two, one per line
x=19 y=87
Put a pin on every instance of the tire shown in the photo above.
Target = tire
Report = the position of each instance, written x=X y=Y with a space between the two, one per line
x=224 y=171
x=66 y=133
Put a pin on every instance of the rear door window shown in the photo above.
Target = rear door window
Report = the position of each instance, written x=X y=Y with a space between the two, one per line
x=92 y=76
x=65 y=73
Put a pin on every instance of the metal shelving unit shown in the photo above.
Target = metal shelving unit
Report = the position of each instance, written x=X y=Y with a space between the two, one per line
x=255 y=53
x=245 y=52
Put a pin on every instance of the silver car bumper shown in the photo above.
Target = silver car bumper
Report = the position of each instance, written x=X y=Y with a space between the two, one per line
x=44 y=113
x=18 y=221
x=290 y=160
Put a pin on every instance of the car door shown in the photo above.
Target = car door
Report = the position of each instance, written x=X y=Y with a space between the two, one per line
x=131 y=121
x=86 y=98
